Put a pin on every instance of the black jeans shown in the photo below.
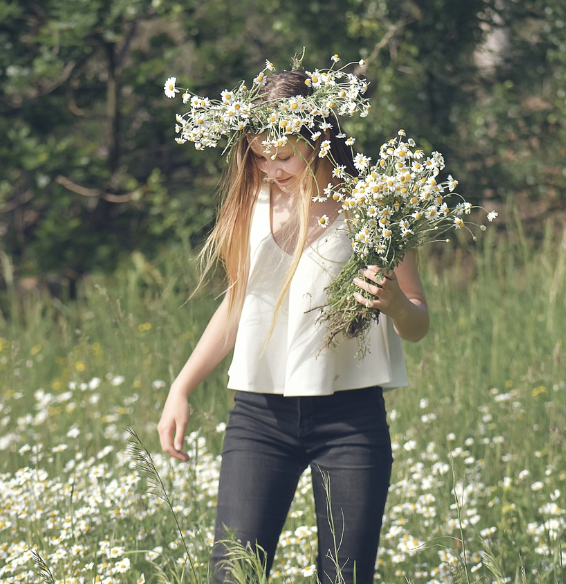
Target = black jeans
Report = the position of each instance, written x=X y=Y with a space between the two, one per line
x=270 y=441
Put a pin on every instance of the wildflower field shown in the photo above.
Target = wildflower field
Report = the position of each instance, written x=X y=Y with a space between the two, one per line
x=478 y=488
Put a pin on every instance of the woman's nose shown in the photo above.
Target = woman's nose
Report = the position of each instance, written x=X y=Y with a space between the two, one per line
x=272 y=169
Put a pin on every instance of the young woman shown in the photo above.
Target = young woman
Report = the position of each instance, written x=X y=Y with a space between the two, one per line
x=297 y=404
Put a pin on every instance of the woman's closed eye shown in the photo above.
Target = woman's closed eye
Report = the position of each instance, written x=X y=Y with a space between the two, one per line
x=261 y=158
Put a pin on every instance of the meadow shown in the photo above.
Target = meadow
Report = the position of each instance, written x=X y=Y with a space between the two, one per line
x=477 y=492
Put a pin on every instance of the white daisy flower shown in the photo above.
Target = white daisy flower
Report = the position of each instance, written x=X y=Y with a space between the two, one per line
x=339 y=171
x=324 y=148
x=324 y=221
x=315 y=79
x=170 y=89
x=122 y=566
x=492 y=215
x=361 y=162
x=310 y=571
x=452 y=183
x=227 y=96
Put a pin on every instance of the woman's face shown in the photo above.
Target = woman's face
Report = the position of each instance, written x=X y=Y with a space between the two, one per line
x=288 y=165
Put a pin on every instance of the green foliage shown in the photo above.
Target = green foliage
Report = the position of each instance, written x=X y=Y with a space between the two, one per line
x=90 y=171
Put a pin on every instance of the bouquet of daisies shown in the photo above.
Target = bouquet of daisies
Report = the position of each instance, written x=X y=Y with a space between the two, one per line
x=392 y=207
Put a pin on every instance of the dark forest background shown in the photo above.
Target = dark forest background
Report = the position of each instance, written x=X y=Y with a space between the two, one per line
x=89 y=169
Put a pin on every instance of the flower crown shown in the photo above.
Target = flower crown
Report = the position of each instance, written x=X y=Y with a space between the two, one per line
x=335 y=93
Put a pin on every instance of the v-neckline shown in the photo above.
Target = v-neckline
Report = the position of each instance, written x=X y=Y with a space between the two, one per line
x=309 y=245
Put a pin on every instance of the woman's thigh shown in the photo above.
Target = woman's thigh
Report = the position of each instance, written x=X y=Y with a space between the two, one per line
x=354 y=454
x=260 y=470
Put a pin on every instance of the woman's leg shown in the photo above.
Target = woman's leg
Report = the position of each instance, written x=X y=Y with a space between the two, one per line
x=352 y=449
x=261 y=466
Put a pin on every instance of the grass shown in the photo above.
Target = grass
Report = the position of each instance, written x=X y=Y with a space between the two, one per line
x=479 y=437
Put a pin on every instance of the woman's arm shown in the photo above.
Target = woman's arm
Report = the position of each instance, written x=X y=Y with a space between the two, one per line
x=214 y=344
x=399 y=294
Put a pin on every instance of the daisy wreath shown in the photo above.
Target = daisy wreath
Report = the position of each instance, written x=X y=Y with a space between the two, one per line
x=241 y=110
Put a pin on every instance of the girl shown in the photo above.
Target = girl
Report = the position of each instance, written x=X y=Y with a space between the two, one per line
x=297 y=404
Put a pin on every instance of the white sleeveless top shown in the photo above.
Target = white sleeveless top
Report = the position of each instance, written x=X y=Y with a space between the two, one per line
x=292 y=362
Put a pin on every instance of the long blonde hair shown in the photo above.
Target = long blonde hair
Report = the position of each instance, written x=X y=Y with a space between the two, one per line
x=228 y=244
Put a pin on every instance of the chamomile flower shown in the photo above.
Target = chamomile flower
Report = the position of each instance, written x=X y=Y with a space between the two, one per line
x=492 y=215
x=324 y=148
x=310 y=571
x=361 y=162
x=170 y=89
x=122 y=566
x=324 y=221
x=227 y=96
x=339 y=171
x=452 y=183
x=371 y=211
x=329 y=190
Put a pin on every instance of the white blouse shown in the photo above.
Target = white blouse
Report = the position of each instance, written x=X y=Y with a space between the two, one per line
x=292 y=362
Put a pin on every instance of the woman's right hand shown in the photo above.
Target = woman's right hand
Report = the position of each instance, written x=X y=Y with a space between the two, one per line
x=173 y=424
x=213 y=346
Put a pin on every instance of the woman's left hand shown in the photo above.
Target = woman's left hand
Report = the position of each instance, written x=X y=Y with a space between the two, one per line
x=388 y=296
x=399 y=295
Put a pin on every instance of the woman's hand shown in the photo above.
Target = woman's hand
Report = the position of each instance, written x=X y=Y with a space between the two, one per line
x=215 y=343
x=399 y=294
x=173 y=425
x=389 y=298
